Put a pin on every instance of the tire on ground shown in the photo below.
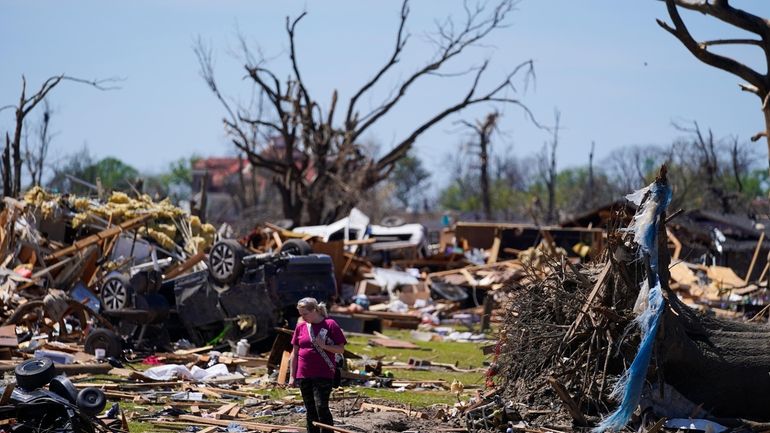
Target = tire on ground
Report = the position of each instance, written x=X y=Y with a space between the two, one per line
x=63 y=387
x=102 y=338
x=91 y=401
x=34 y=373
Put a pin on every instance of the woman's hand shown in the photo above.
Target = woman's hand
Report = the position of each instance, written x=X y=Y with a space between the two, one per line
x=292 y=382
x=320 y=342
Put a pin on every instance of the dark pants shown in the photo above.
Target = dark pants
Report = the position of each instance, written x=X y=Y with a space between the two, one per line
x=315 y=395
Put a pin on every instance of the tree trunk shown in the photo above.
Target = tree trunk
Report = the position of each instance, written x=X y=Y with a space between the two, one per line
x=766 y=112
x=16 y=149
x=7 y=167
x=487 y=202
x=290 y=202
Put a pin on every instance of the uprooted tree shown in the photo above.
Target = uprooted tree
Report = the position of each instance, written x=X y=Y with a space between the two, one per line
x=756 y=82
x=318 y=163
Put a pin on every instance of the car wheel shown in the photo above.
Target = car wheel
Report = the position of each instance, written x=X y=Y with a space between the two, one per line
x=34 y=373
x=101 y=338
x=63 y=387
x=226 y=261
x=91 y=401
x=116 y=293
x=295 y=247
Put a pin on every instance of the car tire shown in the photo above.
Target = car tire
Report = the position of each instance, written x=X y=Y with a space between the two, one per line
x=295 y=247
x=101 y=338
x=34 y=373
x=226 y=261
x=91 y=401
x=116 y=293
x=63 y=387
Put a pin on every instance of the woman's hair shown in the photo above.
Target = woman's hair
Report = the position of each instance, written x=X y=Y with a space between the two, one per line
x=312 y=304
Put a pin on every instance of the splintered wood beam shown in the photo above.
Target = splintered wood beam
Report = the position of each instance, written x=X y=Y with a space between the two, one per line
x=754 y=258
x=98 y=237
x=569 y=402
x=332 y=428
x=181 y=268
x=583 y=311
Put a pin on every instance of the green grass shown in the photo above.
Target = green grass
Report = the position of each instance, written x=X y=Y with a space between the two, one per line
x=446 y=375
x=421 y=399
x=467 y=355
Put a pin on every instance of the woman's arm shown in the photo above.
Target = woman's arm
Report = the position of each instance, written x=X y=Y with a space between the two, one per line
x=333 y=348
x=340 y=348
x=294 y=361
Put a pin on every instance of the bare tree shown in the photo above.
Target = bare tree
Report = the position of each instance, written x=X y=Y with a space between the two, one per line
x=318 y=164
x=756 y=82
x=483 y=131
x=36 y=154
x=548 y=171
x=12 y=155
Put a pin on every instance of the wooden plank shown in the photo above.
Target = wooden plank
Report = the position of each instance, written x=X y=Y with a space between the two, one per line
x=754 y=258
x=182 y=268
x=234 y=411
x=332 y=428
x=6 y=397
x=677 y=245
x=366 y=241
x=569 y=402
x=278 y=241
x=98 y=237
x=283 y=370
x=657 y=426
x=8 y=336
x=251 y=425
x=469 y=278
x=495 y=250
x=224 y=410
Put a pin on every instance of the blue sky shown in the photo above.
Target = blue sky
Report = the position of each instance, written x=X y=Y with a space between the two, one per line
x=617 y=78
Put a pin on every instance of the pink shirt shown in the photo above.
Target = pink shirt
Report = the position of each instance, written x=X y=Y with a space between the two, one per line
x=310 y=364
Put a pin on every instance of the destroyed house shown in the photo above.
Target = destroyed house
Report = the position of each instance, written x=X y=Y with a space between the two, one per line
x=728 y=240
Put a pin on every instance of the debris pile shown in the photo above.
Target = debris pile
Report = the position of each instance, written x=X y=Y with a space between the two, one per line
x=615 y=337
x=585 y=317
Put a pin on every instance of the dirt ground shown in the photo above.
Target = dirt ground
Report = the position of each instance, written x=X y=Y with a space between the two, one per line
x=384 y=422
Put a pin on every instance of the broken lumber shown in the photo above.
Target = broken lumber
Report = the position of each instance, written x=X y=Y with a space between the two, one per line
x=251 y=425
x=98 y=237
x=332 y=428
x=569 y=402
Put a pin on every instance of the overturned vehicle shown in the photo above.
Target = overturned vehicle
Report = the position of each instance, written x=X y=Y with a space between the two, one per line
x=239 y=296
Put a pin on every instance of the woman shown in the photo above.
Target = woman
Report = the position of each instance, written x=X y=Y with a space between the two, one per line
x=316 y=340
